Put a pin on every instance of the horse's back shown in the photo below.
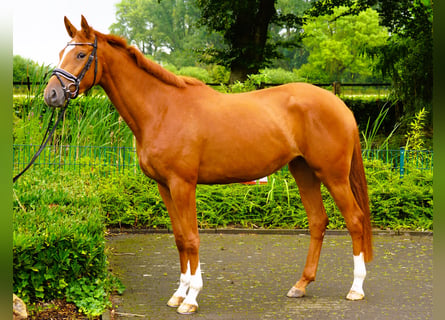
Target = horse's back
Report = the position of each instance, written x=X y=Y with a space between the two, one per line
x=253 y=134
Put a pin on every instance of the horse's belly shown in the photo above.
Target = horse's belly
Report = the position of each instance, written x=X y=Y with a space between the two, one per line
x=239 y=165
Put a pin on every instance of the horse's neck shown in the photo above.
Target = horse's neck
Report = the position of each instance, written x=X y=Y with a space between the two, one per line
x=131 y=90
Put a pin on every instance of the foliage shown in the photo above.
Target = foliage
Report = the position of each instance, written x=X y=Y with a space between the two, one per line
x=246 y=28
x=196 y=72
x=415 y=135
x=22 y=68
x=132 y=200
x=165 y=30
x=400 y=203
x=336 y=46
x=407 y=55
x=278 y=76
x=370 y=133
x=59 y=244
x=89 y=120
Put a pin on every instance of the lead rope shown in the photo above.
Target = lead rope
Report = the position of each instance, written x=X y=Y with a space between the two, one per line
x=44 y=141
x=76 y=81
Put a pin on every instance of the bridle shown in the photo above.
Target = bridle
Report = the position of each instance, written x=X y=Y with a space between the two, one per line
x=75 y=81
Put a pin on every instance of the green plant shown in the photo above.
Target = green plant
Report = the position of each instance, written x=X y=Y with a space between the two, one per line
x=415 y=136
x=370 y=133
x=59 y=243
x=400 y=203
x=195 y=72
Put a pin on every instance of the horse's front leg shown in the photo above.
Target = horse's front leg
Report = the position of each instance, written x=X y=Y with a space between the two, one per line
x=180 y=201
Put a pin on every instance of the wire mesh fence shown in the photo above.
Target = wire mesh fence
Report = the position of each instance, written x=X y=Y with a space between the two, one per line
x=117 y=159
x=103 y=159
x=401 y=159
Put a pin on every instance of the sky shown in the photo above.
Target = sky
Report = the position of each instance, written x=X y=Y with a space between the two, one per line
x=39 y=31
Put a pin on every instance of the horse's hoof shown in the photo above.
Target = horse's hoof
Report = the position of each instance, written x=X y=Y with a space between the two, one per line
x=175 y=301
x=354 y=295
x=186 y=308
x=296 y=293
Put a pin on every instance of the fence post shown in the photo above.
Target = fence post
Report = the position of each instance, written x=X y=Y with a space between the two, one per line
x=336 y=88
x=402 y=161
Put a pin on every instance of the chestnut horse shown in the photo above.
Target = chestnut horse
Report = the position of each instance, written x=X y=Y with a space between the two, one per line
x=187 y=133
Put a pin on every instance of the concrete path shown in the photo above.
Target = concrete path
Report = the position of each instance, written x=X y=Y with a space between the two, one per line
x=247 y=276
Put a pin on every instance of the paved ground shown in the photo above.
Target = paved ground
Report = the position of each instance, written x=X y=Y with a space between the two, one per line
x=247 y=276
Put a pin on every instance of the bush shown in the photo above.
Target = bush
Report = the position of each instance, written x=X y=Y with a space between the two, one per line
x=195 y=72
x=396 y=203
x=400 y=203
x=59 y=243
x=279 y=76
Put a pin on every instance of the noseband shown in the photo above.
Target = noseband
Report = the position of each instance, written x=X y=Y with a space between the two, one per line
x=75 y=81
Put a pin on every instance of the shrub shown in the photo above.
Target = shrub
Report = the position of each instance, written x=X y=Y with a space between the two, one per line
x=59 y=243
x=279 y=76
x=400 y=203
x=396 y=203
x=195 y=72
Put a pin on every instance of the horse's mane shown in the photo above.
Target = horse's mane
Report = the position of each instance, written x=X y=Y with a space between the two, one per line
x=149 y=66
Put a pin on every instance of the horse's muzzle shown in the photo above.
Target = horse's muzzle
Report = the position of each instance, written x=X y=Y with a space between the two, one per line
x=54 y=94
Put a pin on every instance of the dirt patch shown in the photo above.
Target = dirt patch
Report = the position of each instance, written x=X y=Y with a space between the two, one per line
x=56 y=310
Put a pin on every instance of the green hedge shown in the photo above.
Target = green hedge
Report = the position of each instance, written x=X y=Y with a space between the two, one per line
x=59 y=244
x=134 y=201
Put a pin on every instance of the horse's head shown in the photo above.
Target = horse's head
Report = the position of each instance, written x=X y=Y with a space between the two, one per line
x=78 y=68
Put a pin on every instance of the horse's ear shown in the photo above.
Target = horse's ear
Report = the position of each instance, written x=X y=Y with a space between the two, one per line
x=85 y=27
x=70 y=28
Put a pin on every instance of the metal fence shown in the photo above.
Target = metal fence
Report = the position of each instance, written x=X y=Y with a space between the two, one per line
x=115 y=159
x=104 y=160
x=402 y=160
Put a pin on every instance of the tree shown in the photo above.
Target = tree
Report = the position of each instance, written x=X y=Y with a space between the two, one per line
x=407 y=55
x=245 y=27
x=337 y=46
x=22 y=68
x=291 y=52
x=165 y=30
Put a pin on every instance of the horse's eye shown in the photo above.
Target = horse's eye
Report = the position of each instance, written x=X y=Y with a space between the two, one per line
x=81 y=55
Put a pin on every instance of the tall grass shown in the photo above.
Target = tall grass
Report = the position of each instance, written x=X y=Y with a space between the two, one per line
x=89 y=120
x=370 y=133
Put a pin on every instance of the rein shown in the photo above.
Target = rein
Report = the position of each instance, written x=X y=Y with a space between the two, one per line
x=44 y=141
x=75 y=81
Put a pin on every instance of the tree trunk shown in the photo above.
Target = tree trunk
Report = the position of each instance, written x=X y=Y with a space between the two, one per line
x=248 y=37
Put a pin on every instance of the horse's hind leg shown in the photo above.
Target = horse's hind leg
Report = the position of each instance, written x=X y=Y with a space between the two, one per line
x=309 y=187
x=340 y=190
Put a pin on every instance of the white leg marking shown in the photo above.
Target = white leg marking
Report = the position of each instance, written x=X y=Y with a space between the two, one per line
x=184 y=283
x=180 y=294
x=195 y=287
x=356 y=292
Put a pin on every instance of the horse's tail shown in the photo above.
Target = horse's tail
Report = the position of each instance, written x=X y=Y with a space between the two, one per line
x=359 y=188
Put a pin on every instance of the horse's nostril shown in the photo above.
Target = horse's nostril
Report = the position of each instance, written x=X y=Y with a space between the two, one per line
x=53 y=97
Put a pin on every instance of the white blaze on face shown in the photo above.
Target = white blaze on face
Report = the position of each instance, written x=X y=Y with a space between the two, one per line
x=68 y=48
